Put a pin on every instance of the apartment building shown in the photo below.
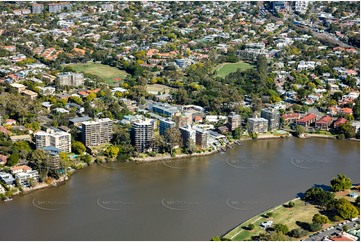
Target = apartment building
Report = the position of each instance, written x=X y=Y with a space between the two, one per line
x=53 y=137
x=201 y=138
x=37 y=8
x=257 y=125
x=71 y=79
x=58 y=7
x=273 y=117
x=97 y=132
x=142 y=134
x=165 y=124
x=234 y=121
x=188 y=135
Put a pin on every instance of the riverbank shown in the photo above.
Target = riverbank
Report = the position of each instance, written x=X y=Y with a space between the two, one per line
x=240 y=232
x=230 y=145
x=300 y=212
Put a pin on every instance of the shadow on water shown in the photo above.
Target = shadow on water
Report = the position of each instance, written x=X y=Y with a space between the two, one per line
x=324 y=187
x=300 y=195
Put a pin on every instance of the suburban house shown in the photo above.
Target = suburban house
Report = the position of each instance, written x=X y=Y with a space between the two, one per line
x=323 y=123
x=3 y=159
x=7 y=178
x=338 y=122
x=19 y=169
x=289 y=118
x=307 y=120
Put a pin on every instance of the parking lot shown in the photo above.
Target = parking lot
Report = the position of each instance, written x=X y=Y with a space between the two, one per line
x=334 y=230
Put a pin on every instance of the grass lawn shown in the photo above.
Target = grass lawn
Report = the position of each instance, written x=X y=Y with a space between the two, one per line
x=107 y=73
x=283 y=215
x=224 y=69
x=155 y=88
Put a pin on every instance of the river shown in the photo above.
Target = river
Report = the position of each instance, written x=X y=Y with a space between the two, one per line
x=190 y=199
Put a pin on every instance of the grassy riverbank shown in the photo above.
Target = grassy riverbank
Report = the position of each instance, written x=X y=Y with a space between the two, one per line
x=282 y=214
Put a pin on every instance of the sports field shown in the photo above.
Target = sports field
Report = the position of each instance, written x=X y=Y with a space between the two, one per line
x=107 y=73
x=224 y=69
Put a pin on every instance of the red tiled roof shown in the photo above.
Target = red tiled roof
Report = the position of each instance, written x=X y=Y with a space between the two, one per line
x=4 y=130
x=324 y=119
x=346 y=110
x=24 y=168
x=341 y=238
x=340 y=121
x=307 y=118
x=3 y=158
x=197 y=118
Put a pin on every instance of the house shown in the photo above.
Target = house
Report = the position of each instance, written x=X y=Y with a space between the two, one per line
x=323 y=123
x=4 y=130
x=24 y=176
x=223 y=129
x=30 y=94
x=25 y=137
x=3 y=159
x=346 y=111
x=7 y=178
x=46 y=105
x=10 y=122
x=18 y=169
x=289 y=118
x=307 y=120
x=198 y=119
x=338 y=122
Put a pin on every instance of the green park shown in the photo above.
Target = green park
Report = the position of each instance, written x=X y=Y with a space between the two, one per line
x=106 y=73
x=225 y=68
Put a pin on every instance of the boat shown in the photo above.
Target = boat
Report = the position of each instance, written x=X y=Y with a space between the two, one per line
x=8 y=199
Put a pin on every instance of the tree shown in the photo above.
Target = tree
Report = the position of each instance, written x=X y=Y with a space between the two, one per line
x=13 y=159
x=64 y=160
x=262 y=66
x=251 y=226
x=345 y=228
x=297 y=233
x=345 y=209
x=237 y=133
x=39 y=157
x=340 y=183
x=86 y=158
x=91 y=96
x=347 y=130
x=278 y=236
x=112 y=151
x=172 y=137
x=78 y=147
x=320 y=219
x=291 y=204
x=281 y=228
x=300 y=129
x=318 y=196
x=314 y=227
